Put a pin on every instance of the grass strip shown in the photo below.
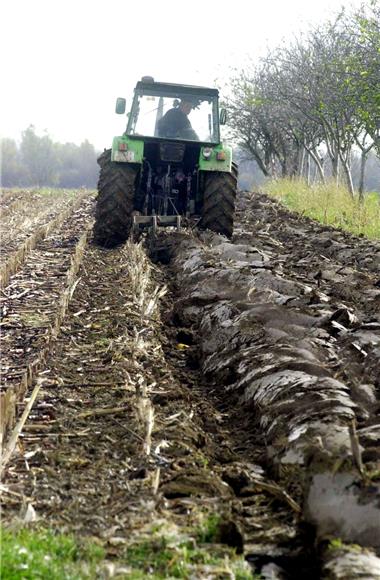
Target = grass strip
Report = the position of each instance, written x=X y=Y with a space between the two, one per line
x=32 y=554
x=329 y=204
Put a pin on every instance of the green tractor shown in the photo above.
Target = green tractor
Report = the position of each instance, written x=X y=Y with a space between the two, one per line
x=169 y=165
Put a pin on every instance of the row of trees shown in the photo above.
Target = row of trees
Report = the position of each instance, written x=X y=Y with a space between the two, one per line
x=39 y=161
x=251 y=177
x=313 y=102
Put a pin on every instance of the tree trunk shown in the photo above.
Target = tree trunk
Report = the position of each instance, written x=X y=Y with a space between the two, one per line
x=335 y=168
x=273 y=167
x=295 y=161
x=307 y=169
x=263 y=165
x=301 y=162
x=347 y=172
x=363 y=160
x=318 y=164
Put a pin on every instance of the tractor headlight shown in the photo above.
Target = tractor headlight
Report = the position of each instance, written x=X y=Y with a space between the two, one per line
x=207 y=152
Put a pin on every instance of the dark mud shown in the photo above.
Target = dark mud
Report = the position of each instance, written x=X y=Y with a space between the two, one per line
x=292 y=348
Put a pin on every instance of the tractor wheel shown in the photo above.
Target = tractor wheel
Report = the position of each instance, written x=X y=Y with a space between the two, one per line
x=115 y=201
x=219 y=202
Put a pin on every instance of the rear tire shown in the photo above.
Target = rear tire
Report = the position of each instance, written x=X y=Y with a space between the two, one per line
x=219 y=202
x=115 y=201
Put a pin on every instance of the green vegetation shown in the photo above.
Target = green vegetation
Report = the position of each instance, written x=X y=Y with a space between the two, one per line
x=338 y=544
x=335 y=544
x=162 y=552
x=209 y=528
x=167 y=553
x=170 y=558
x=373 y=475
x=32 y=554
x=329 y=204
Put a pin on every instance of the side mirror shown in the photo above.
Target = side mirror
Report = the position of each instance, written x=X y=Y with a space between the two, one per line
x=223 y=116
x=120 y=106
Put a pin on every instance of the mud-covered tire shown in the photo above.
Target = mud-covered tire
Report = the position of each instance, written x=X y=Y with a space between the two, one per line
x=235 y=170
x=115 y=201
x=219 y=202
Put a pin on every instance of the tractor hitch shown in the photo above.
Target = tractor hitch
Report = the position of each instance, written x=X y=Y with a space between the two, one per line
x=154 y=222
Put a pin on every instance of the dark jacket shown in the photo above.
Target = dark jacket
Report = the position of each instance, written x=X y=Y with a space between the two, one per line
x=175 y=123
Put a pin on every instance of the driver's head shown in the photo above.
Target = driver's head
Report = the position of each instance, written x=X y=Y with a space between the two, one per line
x=186 y=106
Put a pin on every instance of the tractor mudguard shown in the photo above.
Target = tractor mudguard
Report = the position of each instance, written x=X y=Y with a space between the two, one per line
x=216 y=158
x=127 y=150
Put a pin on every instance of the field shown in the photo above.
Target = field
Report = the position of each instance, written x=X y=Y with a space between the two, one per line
x=188 y=406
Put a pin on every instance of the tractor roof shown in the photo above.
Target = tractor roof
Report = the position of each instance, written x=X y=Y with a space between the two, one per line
x=149 y=87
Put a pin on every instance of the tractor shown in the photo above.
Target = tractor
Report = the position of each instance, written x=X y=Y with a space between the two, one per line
x=159 y=175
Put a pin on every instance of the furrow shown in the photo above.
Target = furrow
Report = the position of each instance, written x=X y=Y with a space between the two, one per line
x=34 y=306
x=14 y=257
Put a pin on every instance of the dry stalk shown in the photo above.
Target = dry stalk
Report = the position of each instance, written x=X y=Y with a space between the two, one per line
x=14 y=207
x=277 y=491
x=149 y=427
x=102 y=412
x=11 y=445
x=144 y=300
x=71 y=281
x=151 y=305
x=355 y=447
x=156 y=480
x=138 y=344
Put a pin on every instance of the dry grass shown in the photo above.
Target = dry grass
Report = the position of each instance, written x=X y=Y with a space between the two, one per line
x=329 y=204
x=144 y=306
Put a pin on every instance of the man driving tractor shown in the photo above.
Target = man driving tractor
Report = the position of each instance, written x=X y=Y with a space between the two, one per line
x=175 y=123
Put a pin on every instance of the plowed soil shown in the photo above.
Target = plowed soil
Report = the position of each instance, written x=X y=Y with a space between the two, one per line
x=190 y=376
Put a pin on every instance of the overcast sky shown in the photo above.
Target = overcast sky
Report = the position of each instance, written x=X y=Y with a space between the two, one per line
x=65 y=62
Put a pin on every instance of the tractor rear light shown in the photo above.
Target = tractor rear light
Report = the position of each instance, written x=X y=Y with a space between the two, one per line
x=207 y=151
x=221 y=156
x=123 y=146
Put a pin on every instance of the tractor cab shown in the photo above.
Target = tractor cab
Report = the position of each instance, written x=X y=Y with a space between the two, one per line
x=156 y=104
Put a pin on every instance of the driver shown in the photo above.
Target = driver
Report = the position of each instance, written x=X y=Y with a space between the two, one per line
x=175 y=122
